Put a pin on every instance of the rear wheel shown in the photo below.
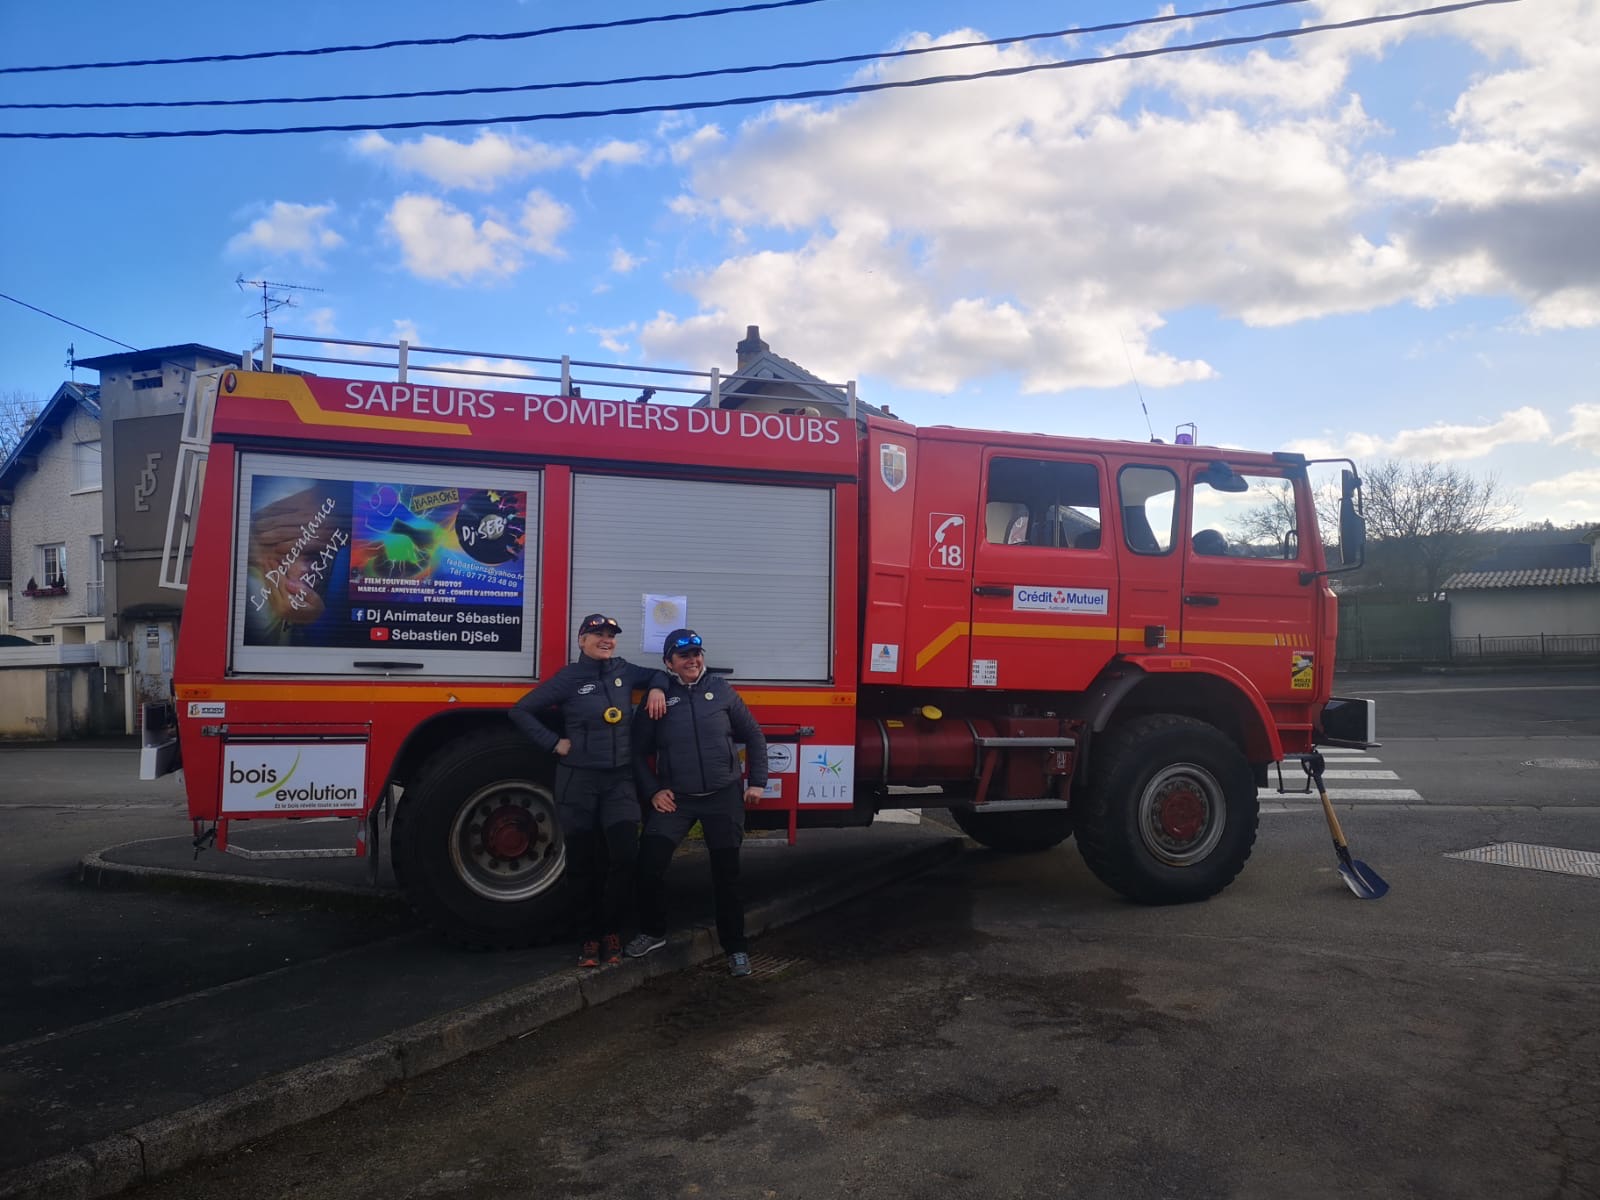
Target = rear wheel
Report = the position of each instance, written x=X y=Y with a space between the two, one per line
x=1170 y=813
x=1015 y=832
x=477 y=846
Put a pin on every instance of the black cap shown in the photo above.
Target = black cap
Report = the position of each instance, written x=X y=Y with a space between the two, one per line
x=680 y=639
x=598 y=623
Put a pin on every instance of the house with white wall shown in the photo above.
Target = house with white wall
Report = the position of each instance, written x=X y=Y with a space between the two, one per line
x=56 y=684
x=1529 y=591
x=50 y=483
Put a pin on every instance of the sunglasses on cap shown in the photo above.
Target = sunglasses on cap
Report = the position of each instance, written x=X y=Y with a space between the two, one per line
x=687 y=645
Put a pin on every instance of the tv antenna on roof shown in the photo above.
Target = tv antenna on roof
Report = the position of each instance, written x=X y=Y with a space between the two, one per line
x=271 y=299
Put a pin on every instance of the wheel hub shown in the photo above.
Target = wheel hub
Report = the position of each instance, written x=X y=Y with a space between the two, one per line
x=509 y=832
x=1182 y=813
x=505 y=843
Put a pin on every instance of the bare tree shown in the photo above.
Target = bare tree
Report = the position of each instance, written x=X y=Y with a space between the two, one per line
x=1426 y=521
x=17 y=411
x=1270 y=520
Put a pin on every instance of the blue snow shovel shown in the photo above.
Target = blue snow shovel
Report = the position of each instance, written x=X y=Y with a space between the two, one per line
x=1358 y=877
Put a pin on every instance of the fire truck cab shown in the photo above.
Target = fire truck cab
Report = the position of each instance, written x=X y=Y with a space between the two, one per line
x=1050 y=636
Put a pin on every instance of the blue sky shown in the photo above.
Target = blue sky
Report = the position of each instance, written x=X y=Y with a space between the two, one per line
x=1382 y=242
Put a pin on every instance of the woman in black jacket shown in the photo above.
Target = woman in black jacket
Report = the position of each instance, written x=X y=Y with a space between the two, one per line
x=696 y=778
x=594 y=783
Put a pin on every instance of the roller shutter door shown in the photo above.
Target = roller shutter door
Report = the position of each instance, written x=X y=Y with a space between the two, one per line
x=755 y=562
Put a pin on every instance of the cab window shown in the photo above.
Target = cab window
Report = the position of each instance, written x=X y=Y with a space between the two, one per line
x=1043 y=502
x=1148 y=498
x=1239 y=516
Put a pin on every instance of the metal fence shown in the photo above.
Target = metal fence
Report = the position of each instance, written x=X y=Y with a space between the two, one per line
x=1540 y=645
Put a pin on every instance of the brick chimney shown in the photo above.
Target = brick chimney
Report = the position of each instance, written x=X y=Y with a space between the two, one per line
x=751 y=348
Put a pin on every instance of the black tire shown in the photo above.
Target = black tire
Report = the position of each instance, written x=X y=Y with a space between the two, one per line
x=1170 y=813
x=477 y=846
x=1016 y=832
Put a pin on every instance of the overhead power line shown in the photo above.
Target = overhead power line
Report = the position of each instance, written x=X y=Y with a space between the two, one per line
x=775 y=97
x=881 y=56
x=64 y=321
x=519 y=35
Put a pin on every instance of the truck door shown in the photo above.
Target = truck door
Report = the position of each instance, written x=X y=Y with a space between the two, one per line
x=1043 y=613
x=1244 y=599
x=1150 y=599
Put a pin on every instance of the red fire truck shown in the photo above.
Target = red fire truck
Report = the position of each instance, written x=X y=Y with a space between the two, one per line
x=1049 y=636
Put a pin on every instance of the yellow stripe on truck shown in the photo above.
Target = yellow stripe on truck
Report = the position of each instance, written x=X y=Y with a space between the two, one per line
x=294 y=392
x=1099 y=633
x=376 y=692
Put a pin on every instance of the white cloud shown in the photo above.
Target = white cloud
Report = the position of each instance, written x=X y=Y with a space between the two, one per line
x=612 y=153
x=320 y=321
x=1569 y=498
x=294 y=230
x=622 y=262
x=489 y=374
x=479 y=165
x=1585 y=431
x=1439 y=442
x=617 y=341
x=1059 y=212
x=439 y=241
x=683 y=149
x=1442 y=441
x=405 y=330
x=543 y=219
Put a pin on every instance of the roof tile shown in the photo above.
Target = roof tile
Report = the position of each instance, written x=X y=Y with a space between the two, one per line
x=1541 y=577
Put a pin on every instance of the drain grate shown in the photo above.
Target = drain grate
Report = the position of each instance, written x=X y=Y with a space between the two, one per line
x=1536 y=858
x=763 y=966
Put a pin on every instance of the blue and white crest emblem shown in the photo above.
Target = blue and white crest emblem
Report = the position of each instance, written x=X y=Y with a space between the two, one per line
x=892 y=465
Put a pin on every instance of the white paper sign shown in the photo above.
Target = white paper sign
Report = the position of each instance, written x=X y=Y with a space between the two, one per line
x=662 y=614
x=885 y=657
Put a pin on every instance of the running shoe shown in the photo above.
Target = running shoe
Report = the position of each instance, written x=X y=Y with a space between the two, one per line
x=643 y=943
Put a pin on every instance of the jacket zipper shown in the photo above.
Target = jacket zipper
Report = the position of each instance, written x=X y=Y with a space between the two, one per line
x=699 y=751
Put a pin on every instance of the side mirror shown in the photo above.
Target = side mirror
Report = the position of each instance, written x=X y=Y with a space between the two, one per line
x=1352 y=525
x=1223 y=478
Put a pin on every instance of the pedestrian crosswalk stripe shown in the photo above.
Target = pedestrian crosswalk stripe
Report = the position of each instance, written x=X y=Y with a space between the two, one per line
x=1359 y=775
x=1339 y=794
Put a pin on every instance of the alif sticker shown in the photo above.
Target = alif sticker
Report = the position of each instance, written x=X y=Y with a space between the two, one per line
x=1302 y=671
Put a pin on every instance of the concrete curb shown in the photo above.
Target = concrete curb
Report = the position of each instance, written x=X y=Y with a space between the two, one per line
x=158 y=1147
x=96 y=870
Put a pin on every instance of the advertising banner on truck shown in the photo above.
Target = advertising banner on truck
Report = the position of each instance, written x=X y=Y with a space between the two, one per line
x=363 y=563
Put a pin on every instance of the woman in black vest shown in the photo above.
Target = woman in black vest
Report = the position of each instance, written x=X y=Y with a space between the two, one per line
x=594 y=784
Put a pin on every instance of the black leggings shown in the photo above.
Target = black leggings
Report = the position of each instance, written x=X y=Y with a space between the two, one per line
x=655 y=853
x=601 y=869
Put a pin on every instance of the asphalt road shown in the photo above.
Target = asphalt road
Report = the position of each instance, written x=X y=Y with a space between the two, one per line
x=1518 y=738
x=1003 y=1026
x=70 y=954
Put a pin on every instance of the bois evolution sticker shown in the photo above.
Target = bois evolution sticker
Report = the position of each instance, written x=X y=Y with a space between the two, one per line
x=284 y=777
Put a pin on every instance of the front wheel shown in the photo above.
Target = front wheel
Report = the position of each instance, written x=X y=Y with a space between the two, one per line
x=477 y=845
x=1170 y=814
